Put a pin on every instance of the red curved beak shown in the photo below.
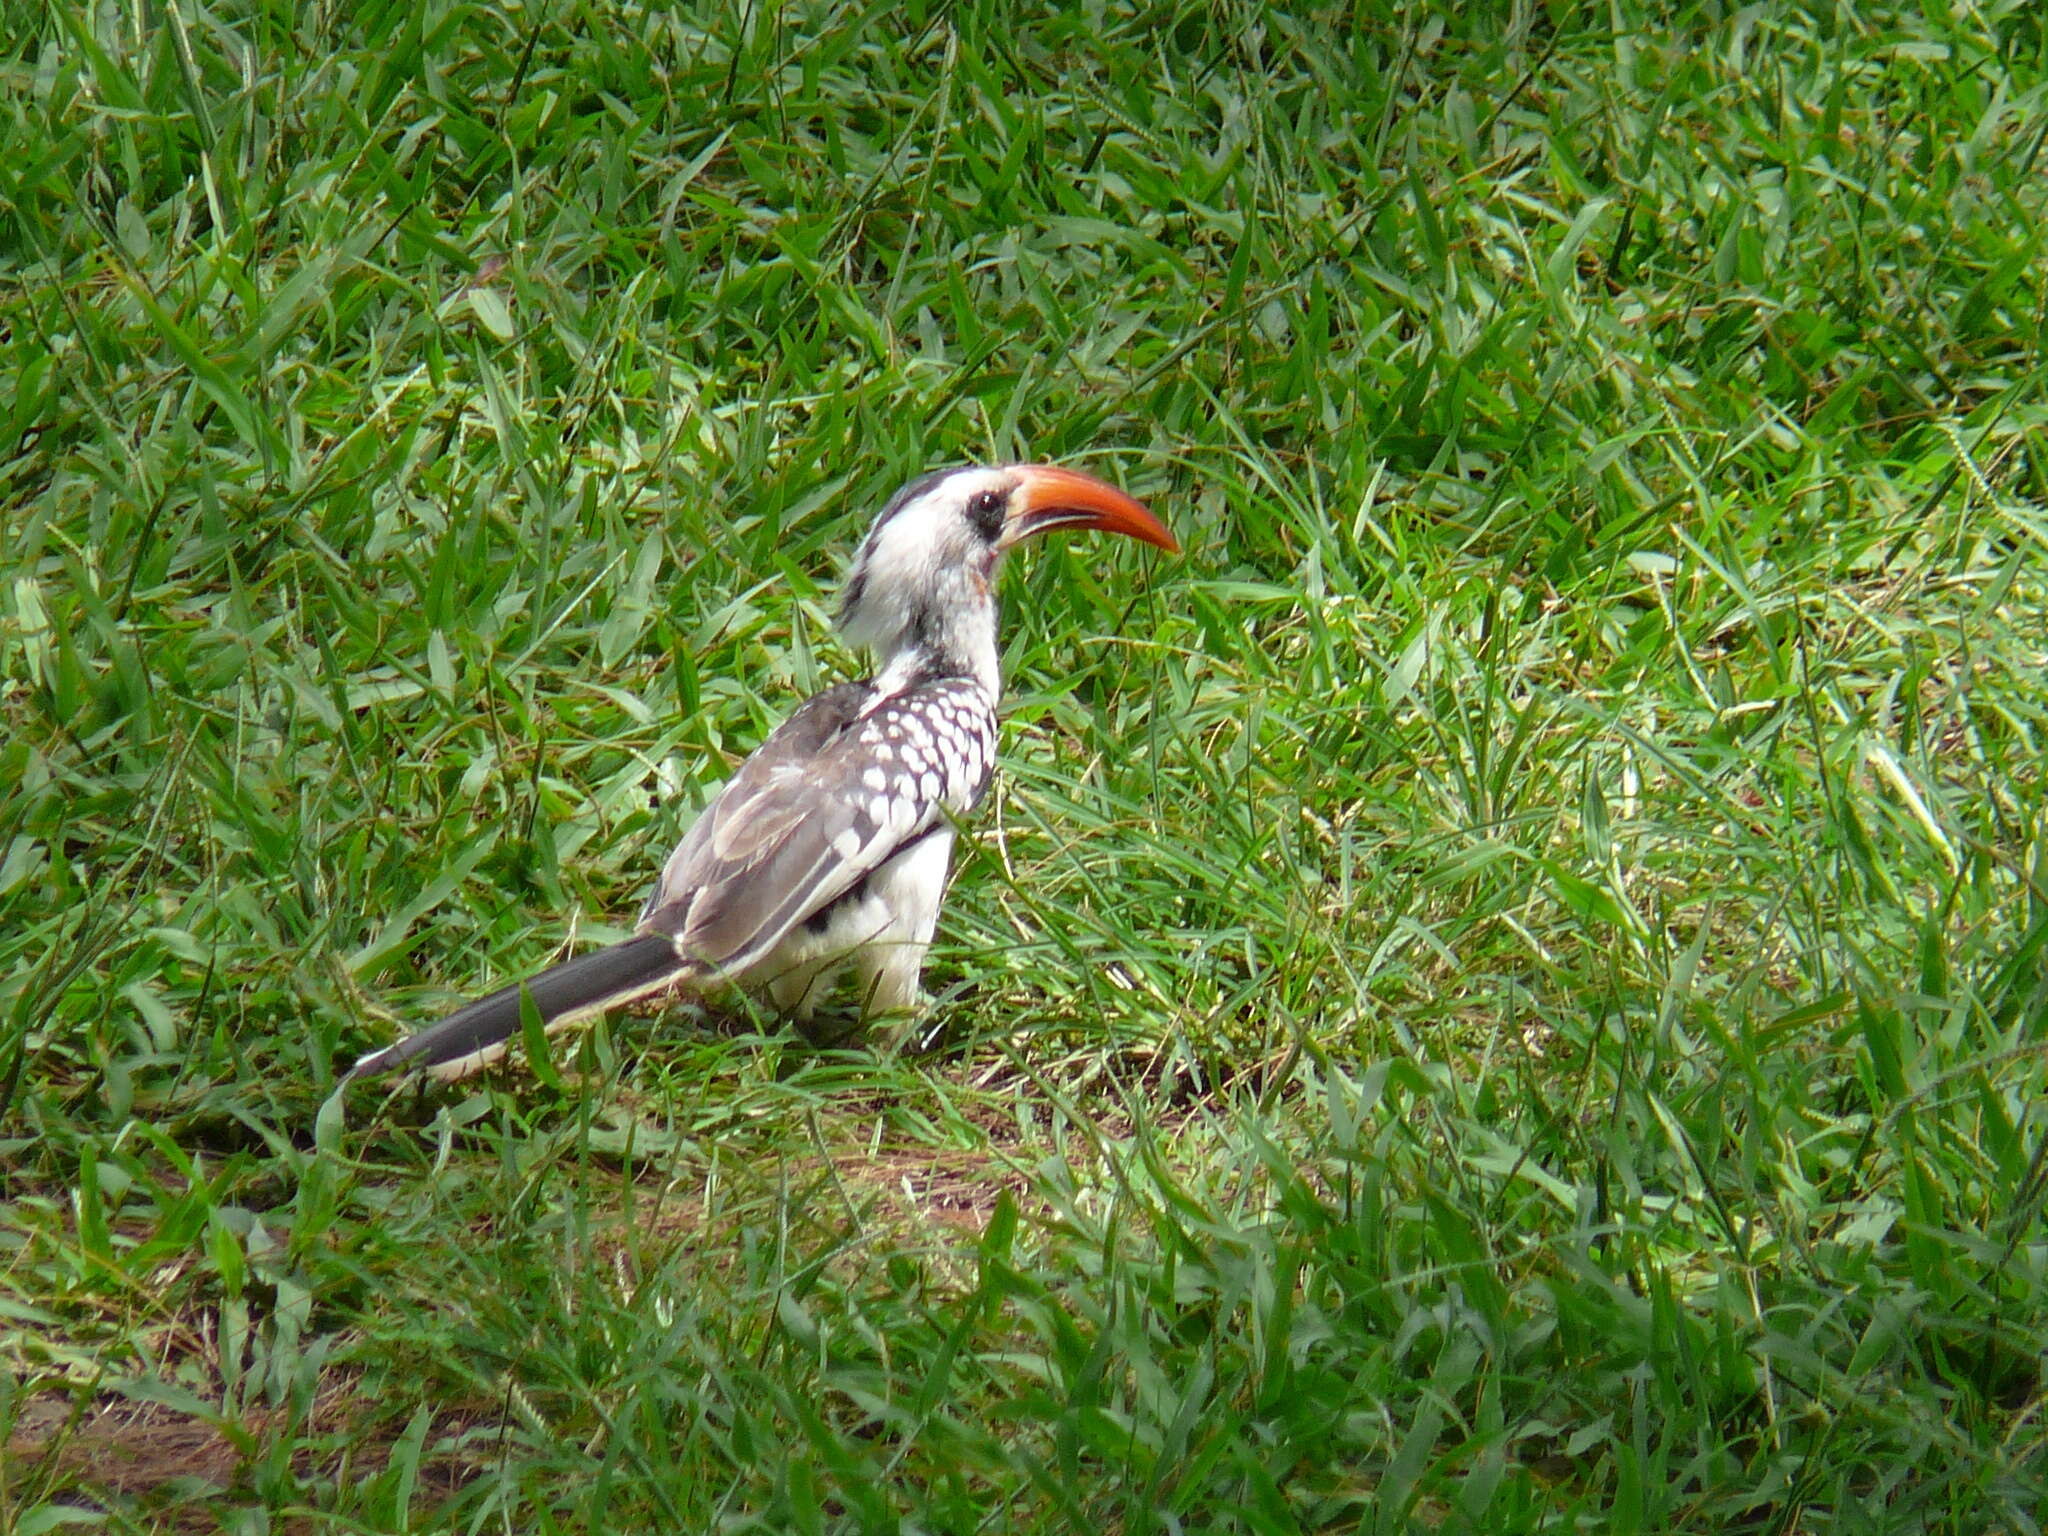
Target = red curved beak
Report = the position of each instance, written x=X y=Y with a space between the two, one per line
x=1049 y=497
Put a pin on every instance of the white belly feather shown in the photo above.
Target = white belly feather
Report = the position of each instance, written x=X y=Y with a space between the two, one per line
x=883 y=928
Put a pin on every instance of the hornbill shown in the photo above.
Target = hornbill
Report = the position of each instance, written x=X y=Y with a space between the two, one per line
x=832 y=842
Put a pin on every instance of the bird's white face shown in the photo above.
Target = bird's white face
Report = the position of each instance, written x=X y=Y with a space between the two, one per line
x=935 y=552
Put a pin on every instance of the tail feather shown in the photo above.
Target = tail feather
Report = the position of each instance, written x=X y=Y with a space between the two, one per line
x=476 y=1035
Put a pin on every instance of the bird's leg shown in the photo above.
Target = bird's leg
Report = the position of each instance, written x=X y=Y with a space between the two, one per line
x=890 y=970
x=889 y=974
x=797 y=992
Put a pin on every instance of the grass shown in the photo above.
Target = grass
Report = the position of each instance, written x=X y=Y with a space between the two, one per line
x=1505 y=991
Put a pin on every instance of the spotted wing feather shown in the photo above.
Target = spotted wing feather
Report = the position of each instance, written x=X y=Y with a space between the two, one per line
x=823 y=803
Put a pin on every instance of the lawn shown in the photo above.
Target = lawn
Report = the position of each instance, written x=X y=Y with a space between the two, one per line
x=1504 y=990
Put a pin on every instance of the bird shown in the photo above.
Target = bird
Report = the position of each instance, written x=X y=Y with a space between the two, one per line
x=832 y=844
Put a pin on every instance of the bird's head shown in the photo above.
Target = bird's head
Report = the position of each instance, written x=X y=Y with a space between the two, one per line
x=925 y=573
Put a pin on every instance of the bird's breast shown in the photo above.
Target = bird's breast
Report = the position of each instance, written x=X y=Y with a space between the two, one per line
x=933 y=746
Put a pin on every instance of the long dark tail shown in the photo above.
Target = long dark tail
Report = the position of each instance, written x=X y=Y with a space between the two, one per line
x=474 y=1036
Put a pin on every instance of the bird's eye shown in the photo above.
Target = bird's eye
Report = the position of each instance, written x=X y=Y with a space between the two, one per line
x=985 y=511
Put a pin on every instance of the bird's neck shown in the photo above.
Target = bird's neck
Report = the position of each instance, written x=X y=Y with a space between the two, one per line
x=950 y=640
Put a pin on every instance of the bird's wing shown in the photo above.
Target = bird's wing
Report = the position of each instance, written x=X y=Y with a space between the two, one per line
x=841 y=785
